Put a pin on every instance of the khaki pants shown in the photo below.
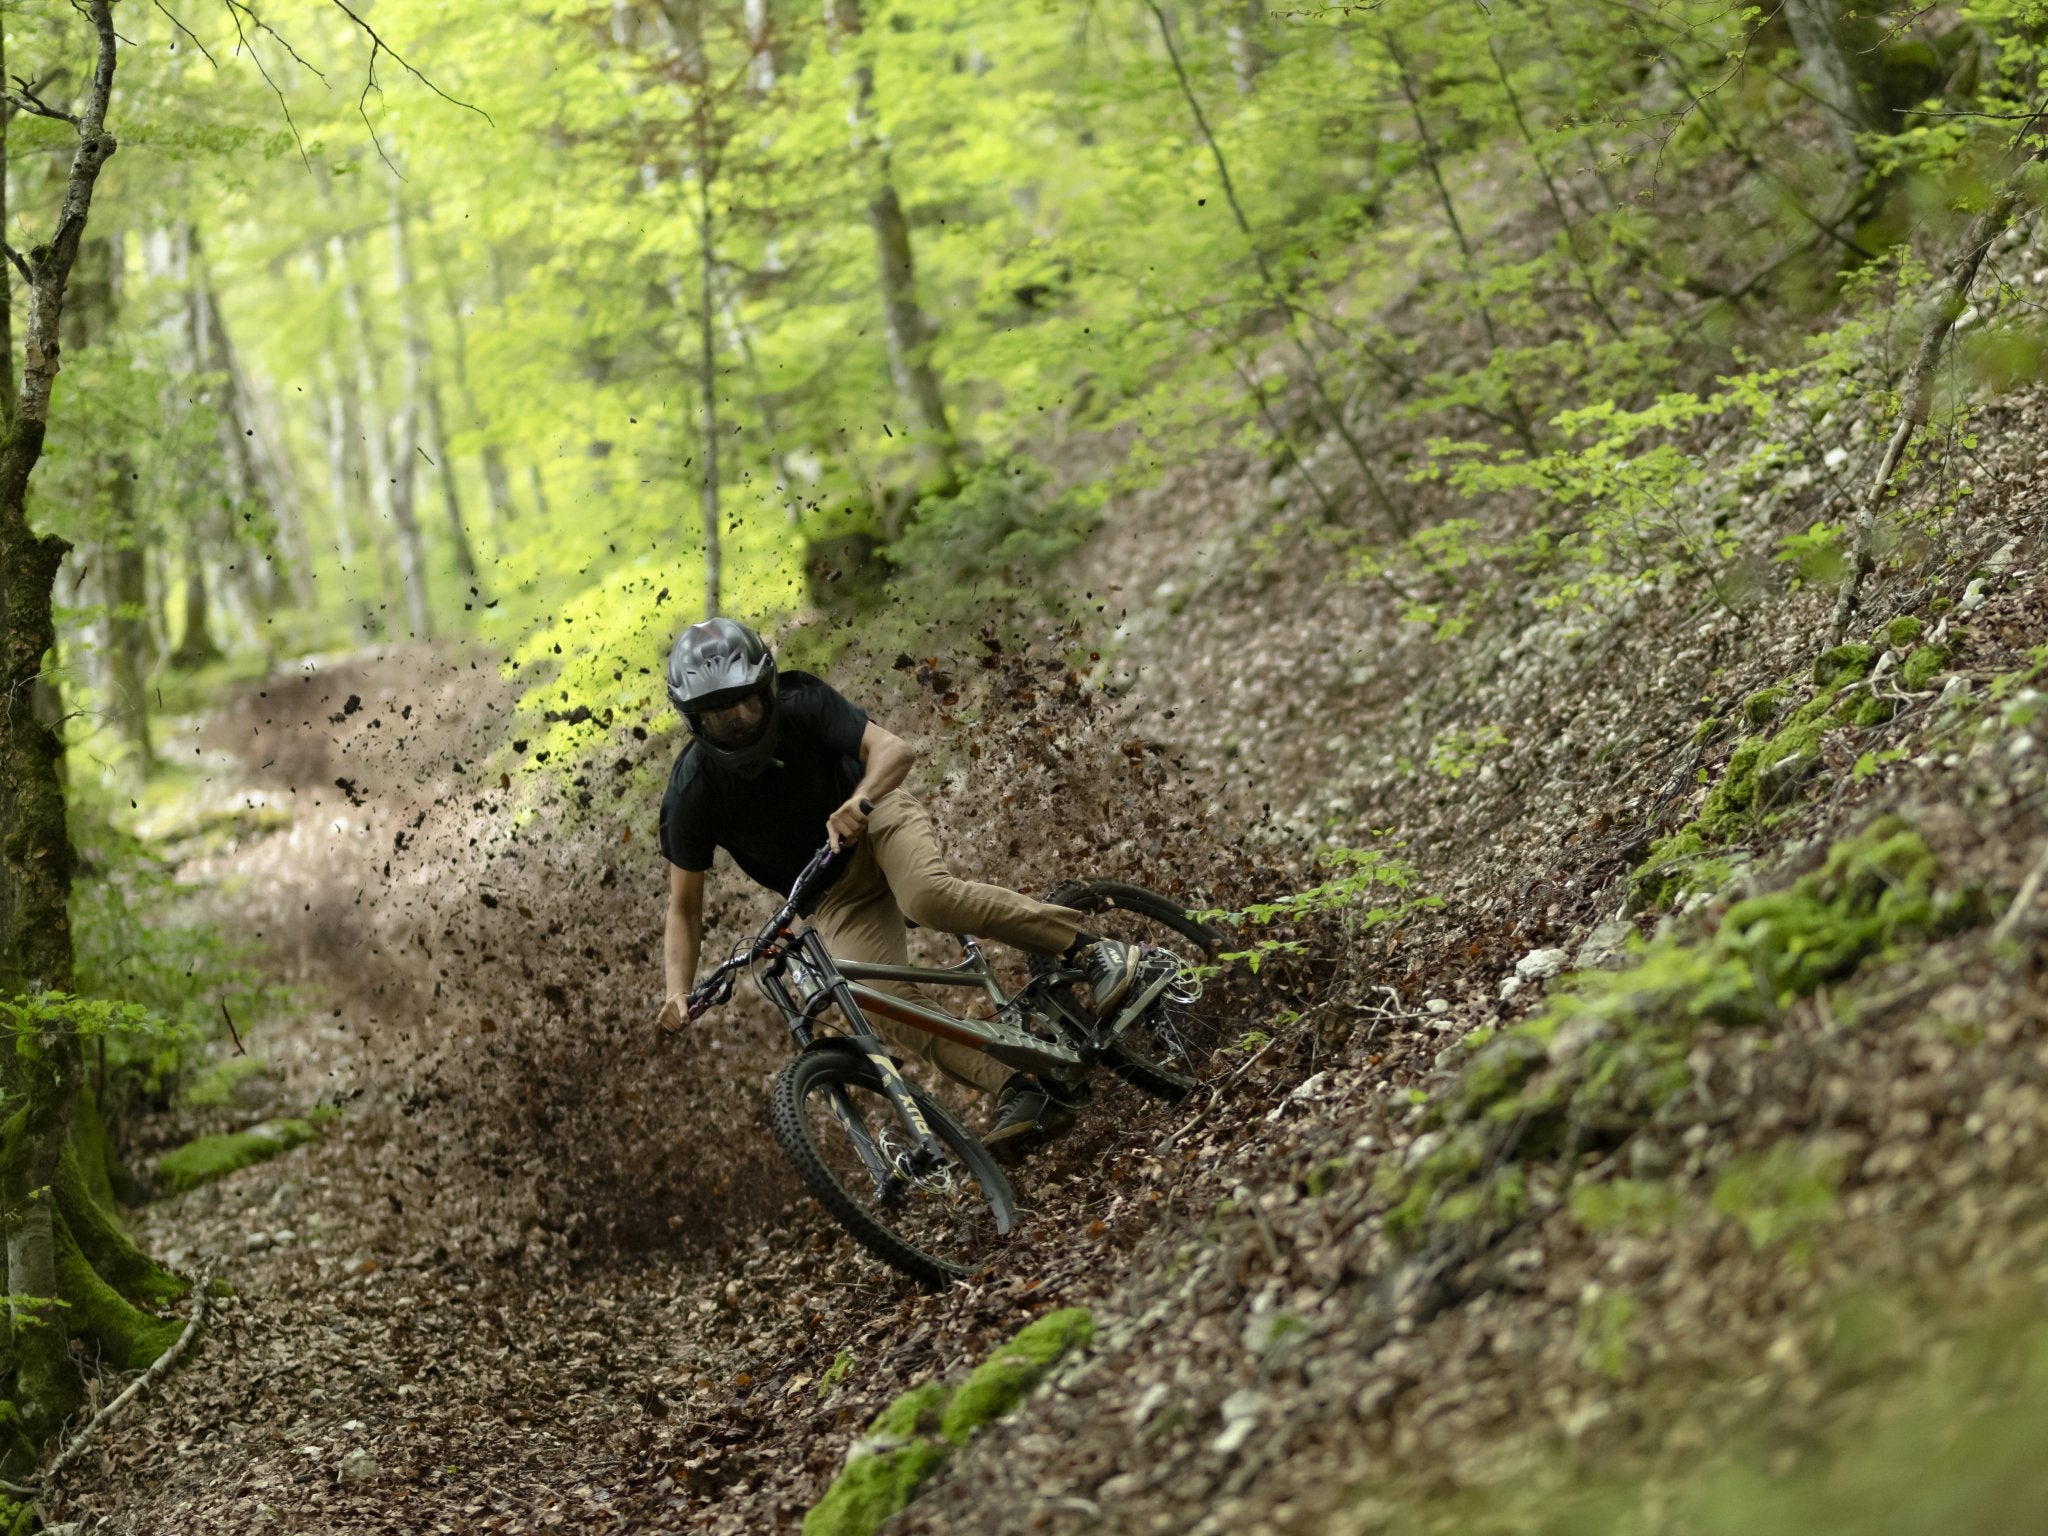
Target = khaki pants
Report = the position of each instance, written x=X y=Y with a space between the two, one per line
x=898 y=872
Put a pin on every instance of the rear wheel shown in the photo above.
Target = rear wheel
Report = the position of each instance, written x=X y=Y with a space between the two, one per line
x=837 y=1126
x=1170 y=1047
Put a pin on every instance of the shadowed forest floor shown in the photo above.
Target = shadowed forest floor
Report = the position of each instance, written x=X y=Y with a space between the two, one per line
x=541 y=1271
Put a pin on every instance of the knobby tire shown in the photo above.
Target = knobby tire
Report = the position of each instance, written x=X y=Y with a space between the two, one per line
x=800 y=1092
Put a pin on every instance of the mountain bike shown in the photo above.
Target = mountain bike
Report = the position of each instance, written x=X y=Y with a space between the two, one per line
x=890 y=1164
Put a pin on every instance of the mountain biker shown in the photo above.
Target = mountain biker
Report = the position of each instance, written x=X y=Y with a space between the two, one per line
x=777 y=762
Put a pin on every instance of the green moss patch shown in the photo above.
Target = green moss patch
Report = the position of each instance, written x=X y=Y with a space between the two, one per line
x=215 y=1157
x=1000 y=1382
x=910 y=1439
x=215 y=1086
x=1609 y=1049
x=872 y=1489
x=1922 y=667
x=1764 y=771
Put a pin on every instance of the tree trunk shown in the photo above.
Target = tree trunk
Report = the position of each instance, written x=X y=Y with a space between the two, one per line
x=1245 y=33
x=124 y=654
x=254 y=472
x=388 y=452
x=910 y=341
x=36 y=857
x=763 y=66
x=707 y=355
x=908 y=333
x=130 y=653
x=421 y=387
x=498 y=503
x=1850 y=99
x=196 y=645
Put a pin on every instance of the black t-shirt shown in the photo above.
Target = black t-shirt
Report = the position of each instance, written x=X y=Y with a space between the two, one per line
x=772 y=824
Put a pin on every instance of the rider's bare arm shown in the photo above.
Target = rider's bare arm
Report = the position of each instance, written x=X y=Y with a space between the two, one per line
x=682 y=936
x=886 y=757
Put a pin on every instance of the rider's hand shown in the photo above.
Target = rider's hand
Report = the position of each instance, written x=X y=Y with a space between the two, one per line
x=847 y=824
x=675 y=1013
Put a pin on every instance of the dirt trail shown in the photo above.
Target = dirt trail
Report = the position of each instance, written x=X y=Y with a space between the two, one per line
x=535 y=1276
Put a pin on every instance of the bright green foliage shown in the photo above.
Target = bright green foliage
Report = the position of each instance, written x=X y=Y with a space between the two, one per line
x=214 y=1157
x=1902 y=631
x=1346 y=894
x=910 y=1439
x=1608 y=1051
x=999 y=1383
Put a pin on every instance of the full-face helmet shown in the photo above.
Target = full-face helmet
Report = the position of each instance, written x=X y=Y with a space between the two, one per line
x=721 y=676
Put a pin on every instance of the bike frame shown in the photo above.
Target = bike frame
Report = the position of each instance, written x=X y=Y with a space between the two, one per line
x=823 y=984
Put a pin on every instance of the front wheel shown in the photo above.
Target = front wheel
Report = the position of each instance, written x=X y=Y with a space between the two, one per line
x=839 y=1129
x=1168 y=1049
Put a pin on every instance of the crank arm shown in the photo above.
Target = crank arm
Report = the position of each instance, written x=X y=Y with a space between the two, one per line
x=1131 y=1011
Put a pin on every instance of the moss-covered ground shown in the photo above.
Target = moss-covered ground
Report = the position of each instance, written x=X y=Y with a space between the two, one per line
x=215 y=1157
x=1608 y=1051
x=909 y=1440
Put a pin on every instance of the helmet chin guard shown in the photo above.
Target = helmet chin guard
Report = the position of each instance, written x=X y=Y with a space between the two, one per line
x=716 y=664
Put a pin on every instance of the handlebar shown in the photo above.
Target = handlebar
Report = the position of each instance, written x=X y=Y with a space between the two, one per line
x=717 y=987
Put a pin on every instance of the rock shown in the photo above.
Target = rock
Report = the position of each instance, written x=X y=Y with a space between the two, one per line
x=359 y=1466
x=1304 y=1090
x=1605 y=947
x=1149 y=1402
x=256 y=1242
x=1420 y=1148
x=1540 y=964
x=1955 y=689
x=1437 y=1005
x=1242 y=1411
x=1973 y=596
x=283 y=1237
x=1509 y=986
x=2019 y=746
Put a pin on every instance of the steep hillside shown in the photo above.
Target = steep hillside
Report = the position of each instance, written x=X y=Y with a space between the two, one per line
x=1455 y=1242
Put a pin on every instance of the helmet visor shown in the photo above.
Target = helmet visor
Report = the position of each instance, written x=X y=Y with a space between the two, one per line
x=738 y=723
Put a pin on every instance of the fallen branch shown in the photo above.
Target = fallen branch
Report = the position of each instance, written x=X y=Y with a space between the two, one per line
x=157 y=1371
x=2016 y=915
x=1916 y=394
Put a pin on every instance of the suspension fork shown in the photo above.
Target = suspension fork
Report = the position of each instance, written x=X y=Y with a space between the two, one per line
x=927 y=1154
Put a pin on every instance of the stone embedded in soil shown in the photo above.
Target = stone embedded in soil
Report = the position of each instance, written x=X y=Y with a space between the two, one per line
x=359 y=1466
x=1540 y=964
x=1242 y=1411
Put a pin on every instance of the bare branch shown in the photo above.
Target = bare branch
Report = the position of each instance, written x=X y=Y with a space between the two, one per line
x=149 y=1378
x=282 y=41
x=196 y=43
x=377 y=45
x=28 y=101
x=243 y=45
x=20 y=265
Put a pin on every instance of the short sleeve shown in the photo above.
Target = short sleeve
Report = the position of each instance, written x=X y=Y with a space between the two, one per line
x=828 y=715
x=686 y=836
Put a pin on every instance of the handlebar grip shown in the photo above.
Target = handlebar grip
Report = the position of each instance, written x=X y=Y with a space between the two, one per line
x=867 y=807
